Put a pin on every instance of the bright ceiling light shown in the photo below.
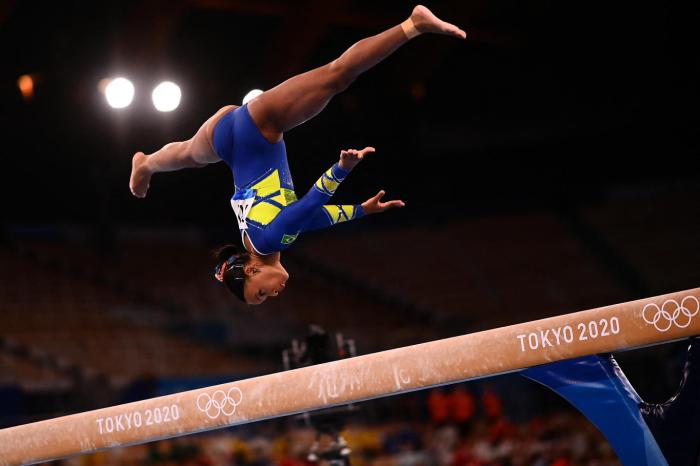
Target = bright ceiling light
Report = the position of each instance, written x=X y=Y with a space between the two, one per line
x=119 y=93
x=166 y=96
x=251 y=95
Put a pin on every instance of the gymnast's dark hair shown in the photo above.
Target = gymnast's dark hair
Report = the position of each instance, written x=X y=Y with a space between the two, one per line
x=229 y=268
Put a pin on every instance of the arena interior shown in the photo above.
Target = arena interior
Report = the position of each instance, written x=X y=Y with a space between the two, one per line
x=549 y=164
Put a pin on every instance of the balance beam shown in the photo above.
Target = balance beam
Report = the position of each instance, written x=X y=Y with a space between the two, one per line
x=607 y=329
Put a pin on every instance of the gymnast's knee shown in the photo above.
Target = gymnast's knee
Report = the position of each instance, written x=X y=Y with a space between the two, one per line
x=197 y=164
x=193 y=161
x=341 y=76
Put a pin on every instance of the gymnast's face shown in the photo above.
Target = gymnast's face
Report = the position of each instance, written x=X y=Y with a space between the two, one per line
x=264 y=281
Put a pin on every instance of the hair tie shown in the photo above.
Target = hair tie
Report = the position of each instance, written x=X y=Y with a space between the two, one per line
x=220 y=269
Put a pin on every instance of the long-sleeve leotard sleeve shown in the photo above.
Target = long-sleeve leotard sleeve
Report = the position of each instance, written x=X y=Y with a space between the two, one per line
x=310 y=212
x=331 y=214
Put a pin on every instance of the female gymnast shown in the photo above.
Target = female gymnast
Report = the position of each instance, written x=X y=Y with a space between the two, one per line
x=249 y=139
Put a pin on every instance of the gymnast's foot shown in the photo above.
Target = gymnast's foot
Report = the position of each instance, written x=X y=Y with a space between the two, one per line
x=426 y=22
x=140 y=175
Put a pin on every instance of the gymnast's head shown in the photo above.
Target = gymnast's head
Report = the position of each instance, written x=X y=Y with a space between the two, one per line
x=251 y=278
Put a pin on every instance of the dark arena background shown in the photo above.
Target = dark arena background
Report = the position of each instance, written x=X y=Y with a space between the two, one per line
x=549 y=164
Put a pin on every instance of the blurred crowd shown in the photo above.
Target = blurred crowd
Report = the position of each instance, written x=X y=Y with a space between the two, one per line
x=459 y=431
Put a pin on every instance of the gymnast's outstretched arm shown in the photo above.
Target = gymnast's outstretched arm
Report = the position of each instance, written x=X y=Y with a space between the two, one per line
x=311 y=212
x=333 y=214
x=374 y=205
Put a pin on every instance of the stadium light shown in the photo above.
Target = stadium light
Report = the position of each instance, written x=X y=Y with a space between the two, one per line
x=166 y=96
x=119 y=93
x=26 y=86
x=251 y=95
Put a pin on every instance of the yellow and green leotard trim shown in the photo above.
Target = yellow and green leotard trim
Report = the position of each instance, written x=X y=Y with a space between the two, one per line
x=277 y=217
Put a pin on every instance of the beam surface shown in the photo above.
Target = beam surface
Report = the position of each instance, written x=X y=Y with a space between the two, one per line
x=612 y=328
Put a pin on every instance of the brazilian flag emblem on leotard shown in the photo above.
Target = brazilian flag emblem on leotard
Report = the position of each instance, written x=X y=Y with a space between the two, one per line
x=289 y=239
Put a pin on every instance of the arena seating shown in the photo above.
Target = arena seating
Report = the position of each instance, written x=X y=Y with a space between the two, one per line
x=657 y=237
x=151 y=300
x=80 y=323
x=508 y=268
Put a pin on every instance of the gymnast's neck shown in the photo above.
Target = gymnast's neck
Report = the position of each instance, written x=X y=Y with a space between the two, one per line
x=268 y=259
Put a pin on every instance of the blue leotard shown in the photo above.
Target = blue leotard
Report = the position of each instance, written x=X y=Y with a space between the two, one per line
x=261 y=173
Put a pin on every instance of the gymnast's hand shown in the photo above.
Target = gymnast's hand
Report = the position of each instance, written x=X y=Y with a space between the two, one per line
x=351 y=157
x=374 y=204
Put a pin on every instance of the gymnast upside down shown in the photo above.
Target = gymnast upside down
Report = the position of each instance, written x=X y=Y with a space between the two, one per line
x=250 y=140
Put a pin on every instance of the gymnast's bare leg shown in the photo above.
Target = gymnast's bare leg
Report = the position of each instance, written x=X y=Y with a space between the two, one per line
x=193 y=153
x=302 y=97
x=294 y=101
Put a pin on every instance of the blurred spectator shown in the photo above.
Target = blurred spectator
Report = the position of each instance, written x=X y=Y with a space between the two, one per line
x=559 y=439
x=438 y=406
x=493 y=406
x=462 y=407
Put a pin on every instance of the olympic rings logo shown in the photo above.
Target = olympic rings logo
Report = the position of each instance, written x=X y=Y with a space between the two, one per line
x=671 y=313
x=220 y=402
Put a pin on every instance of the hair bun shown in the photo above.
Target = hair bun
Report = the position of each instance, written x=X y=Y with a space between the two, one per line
x=224 y=252
x=232 y=276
